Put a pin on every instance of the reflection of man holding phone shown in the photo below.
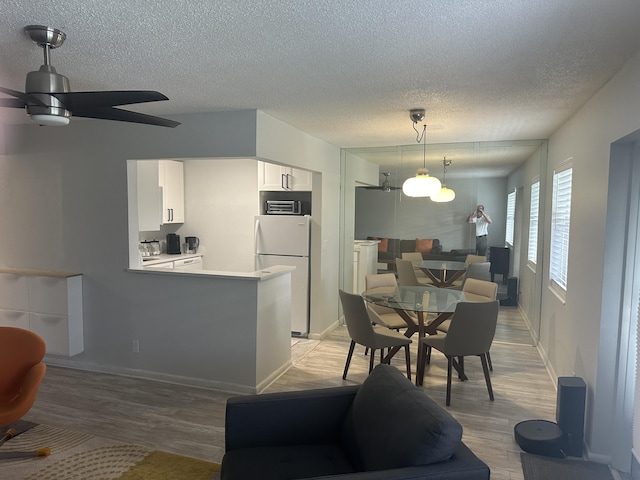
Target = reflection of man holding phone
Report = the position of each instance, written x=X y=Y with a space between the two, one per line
x=482 y=221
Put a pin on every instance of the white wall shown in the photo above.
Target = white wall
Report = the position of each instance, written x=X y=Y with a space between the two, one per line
x=221 y=199
x=573 y=334
x=78 y=175
x=282 y=143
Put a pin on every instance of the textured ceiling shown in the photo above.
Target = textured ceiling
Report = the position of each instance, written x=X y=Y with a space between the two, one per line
x=343 y=71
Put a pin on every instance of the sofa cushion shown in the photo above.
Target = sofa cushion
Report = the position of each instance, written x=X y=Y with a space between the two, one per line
x=424 y=245
x=395 y=424
x=286 y=461
x=383 y=245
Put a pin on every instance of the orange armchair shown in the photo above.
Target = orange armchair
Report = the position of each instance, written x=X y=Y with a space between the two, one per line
x=21 y=353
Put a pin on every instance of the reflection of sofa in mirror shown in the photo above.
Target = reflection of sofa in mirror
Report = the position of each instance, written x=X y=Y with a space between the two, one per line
x=391 y=248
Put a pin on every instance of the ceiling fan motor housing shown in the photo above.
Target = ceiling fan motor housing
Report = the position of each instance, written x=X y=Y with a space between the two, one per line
x=41 y=83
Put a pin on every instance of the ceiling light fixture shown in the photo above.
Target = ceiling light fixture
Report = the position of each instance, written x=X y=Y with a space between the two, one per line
x=445 y=194
x=422 y=185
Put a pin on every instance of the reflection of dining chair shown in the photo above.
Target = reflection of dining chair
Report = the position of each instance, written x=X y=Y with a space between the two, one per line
x=469 y=260
x=363 y=333
x=471 y=332
x=475 y=259
x=416 y=259
x=480 y=271
x=407 y=274
x=379 y=315
x=21 y=353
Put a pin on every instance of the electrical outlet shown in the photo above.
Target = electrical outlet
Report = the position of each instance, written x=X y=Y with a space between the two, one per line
x=135 y=345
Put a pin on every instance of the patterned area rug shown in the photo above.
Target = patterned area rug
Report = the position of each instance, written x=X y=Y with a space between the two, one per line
x=78 y=456
x=536 y=467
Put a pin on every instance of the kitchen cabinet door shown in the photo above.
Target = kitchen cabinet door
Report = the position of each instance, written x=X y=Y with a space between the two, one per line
x=172 y=182
x=273 y=177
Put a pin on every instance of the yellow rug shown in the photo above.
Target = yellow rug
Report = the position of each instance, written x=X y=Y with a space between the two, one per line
x=79 y=456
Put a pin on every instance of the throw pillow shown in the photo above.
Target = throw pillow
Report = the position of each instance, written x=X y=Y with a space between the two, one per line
x=389 y=410
x=424 y=245
x=383 y=245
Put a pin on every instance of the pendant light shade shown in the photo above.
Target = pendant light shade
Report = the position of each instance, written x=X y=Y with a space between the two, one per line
x=444 y=195
x=422 y=185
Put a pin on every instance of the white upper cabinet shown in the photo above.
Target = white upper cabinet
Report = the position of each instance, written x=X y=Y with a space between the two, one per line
x=172 y=184
x=273 y=177
x=160 y=193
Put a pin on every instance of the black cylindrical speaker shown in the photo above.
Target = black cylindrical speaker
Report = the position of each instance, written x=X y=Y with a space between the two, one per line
x=570 y=408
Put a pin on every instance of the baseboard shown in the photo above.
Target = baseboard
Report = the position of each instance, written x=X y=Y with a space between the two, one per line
x=158 y=377
x=326 y=332
x=273 y=377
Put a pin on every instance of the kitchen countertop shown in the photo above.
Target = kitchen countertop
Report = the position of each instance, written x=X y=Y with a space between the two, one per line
x=257 y=275
x=164 y=257
x=37 y=273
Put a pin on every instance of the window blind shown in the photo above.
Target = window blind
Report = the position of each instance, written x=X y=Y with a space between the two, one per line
x=560 y=221
x=511 y=212
x=532 y=255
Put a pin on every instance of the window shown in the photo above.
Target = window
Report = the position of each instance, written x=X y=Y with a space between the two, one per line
x=511 y=213
x=560 y=220
x=532 y=255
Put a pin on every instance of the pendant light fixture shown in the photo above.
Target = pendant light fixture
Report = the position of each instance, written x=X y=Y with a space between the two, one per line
x=445 y=194
x=422 y=185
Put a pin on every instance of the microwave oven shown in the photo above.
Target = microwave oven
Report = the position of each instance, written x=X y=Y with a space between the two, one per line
x=284 y=207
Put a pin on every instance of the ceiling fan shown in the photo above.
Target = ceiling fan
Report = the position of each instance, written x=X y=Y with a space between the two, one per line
x=385 y=186
x=49 y=101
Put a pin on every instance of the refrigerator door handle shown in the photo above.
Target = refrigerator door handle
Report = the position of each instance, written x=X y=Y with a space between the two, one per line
x=256 y=228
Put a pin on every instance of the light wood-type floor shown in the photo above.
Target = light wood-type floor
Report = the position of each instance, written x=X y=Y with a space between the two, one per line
x=190 y=421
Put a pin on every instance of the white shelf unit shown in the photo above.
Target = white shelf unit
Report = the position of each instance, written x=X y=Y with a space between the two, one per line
x=47 y=304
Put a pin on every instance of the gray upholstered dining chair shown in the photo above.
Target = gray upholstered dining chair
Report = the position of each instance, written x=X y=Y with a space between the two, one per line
x=379 y=315
x=416 y=259
x=471 y=332
x=480 y=271
x=477 y=291
x=407 y=274
x=471 y=260
x=363 y=333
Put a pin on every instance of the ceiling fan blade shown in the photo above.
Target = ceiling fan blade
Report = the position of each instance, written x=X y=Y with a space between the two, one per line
x=90 y=100
x=124 y=116
x=11 y=103
x=25 y=97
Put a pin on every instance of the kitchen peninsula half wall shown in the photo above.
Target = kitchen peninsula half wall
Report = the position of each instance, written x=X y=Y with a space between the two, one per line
x=230 y=330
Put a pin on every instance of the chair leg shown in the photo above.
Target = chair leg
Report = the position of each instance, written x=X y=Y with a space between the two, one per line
x=449 y=368
x=420 y=367
x=366 y=351
x=346 y=366
x=9 y=434
x=408 y=357
x=461 y=374
x=485 y=369
x=371 y=359
x=489 y=361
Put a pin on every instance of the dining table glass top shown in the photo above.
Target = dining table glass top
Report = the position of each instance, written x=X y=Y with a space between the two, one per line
x=443 y=265
x=425 y=298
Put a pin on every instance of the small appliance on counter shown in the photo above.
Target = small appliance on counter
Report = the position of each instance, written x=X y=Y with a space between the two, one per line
x=173 y=244
x=191 y=244
x=149 y=248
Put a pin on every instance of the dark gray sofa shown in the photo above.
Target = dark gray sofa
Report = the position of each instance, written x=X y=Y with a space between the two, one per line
x=386 y=428
x=396 y=247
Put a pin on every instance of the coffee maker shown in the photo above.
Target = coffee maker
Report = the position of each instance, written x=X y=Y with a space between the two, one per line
x=192 y=244
x=173 y=244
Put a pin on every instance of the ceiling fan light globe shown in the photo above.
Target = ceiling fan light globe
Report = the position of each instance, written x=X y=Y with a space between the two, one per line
x=50 y=120
x=444 y=195
x=422 y=185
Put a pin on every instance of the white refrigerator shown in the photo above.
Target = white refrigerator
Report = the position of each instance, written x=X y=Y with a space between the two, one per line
x=286 y=240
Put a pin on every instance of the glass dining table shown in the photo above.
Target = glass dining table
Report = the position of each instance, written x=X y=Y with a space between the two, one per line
x=443 y=274
x=421 y=300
